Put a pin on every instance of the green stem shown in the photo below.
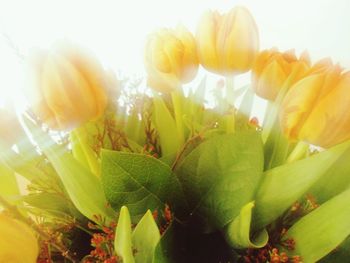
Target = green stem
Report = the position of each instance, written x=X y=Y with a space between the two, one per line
x=178 y=111
x=230 y=90
x=229 y=117
x=298 y=152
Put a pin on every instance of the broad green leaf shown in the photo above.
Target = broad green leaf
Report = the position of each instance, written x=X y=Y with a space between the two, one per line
x=83 y=187
x=122 y=242
x=172 y=247
x=334 y=181
x=184 y=244
x=340 y=254
x=283 y=185
x=167 y=130
x=238 y=232
x=145 y=238
x=53 y=204
x=220 y=176
x=23 y=164
x=141 y=182
x=321 y=231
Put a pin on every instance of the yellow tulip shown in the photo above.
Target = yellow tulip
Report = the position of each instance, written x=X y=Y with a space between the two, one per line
x=18 y=243
x=316 y=109
x=272 y=68
x=170 y=59
x=227 y=43
x=69 y=88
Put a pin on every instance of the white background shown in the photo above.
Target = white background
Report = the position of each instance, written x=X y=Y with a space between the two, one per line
x=116 y=30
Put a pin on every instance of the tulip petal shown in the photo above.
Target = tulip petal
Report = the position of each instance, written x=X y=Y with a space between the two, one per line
x=206 y=41
x=15 y=236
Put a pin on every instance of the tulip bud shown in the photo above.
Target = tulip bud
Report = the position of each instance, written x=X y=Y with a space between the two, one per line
x=170 y=59
x=17 y=241
x=316 y=109
x=69 y=88
x=272 y=68
x=227 y=43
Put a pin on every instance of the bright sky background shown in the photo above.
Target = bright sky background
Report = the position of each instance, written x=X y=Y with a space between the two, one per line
x=116 y=30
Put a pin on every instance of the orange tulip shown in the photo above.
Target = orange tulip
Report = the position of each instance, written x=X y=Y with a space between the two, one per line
x=316 y=109
x=170 y=59
x=69 y=88
x=272 y=68
x=227 y=43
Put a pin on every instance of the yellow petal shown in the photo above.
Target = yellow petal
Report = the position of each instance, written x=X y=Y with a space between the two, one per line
x=206 y=41
x=271 y=81
x=242 y=41
x=174 y=50
x=189 y=60
x=298 y=104
x=329 y=122
x=159 y=58
x=17 y=242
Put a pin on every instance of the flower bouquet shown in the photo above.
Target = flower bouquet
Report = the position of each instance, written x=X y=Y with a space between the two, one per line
x=119 y=170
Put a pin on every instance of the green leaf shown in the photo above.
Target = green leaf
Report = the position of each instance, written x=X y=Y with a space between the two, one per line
x=324 y=188
x=340 y=254
x=184 y=244
x=238 y=231
x=221 y=175
x=53 y=204
x=283 y=185
x=122 y=242
x=83 y=187
x=321 y=231
x=172 y=246
x=141 y=182
x=247 y=102
x=145 y=238
x=167 y=129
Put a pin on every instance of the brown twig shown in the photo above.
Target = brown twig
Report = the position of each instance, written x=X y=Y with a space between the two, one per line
x=14 y=210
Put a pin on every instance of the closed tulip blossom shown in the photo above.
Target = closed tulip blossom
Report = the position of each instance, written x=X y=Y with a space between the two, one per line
x=272 y=68
x=316 y=109
x=170 y=59
x=227 y=43
x=69 y=88
x=17 y=242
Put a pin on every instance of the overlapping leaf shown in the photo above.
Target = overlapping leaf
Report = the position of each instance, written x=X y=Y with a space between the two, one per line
x=221 y=175
x=140 y=182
